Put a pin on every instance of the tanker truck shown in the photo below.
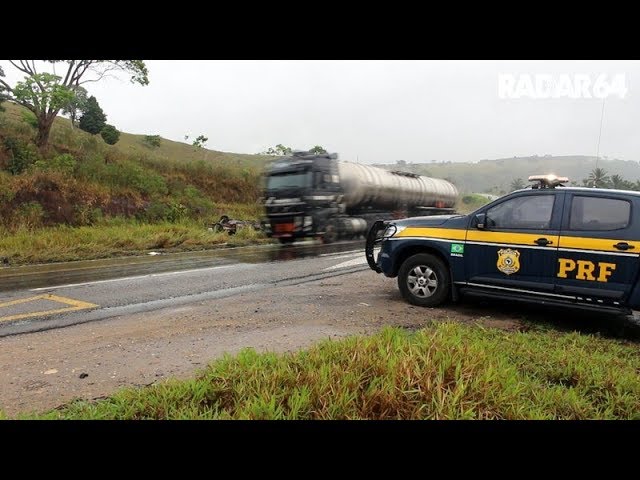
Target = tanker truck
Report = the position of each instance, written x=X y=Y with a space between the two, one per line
x=317 y=195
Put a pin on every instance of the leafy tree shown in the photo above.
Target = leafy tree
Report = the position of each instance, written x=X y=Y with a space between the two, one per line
x=77 y=104
x=279 y=150
x=200 y=141
x=317 y=150
x=152 y=140
x=598 y=178
x=516 y=184
x=93 y=119
x=620 y=183
x=110 y=134
x=45 y=94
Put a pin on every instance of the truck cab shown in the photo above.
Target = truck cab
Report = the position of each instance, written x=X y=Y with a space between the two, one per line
x=301 y=194
x=548 y=244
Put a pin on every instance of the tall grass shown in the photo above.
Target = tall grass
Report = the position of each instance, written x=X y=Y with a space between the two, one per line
x=84 y=199
x=112 y=238
x=447 y=371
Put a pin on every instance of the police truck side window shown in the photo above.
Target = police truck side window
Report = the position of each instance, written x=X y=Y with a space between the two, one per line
x=530 y=211
x=596 y=213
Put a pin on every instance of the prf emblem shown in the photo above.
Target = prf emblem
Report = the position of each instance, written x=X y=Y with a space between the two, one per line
x=508 y=261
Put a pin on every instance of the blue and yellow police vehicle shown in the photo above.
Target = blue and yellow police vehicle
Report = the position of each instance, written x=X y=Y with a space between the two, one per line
x=548 y=243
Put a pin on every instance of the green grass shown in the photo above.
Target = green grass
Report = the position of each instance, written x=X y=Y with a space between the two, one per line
x=447 y=371
x=84 y=199
x=114 y=238
x=79 y=179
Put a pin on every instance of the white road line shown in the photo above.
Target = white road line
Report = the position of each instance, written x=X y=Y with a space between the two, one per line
x=340 y=253
x=166 y=274
x=348 y=263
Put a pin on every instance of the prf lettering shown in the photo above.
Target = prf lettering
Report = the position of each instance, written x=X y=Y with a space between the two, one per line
x=585 y=270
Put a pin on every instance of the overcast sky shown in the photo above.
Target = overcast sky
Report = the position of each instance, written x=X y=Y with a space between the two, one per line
x=376 y=111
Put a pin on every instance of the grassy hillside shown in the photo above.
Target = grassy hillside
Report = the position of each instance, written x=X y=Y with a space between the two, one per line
x=81 y=188
x=81 y=180
x=496 y=175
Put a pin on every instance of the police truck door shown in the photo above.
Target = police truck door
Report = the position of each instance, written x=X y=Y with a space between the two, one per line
x=598 y=251
x=514 y=246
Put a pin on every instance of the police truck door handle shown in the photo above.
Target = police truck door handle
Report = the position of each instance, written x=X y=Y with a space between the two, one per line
x=543 y=242
x=623 y=246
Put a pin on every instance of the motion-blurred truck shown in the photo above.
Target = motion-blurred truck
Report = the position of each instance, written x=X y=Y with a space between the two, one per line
x=317 y=195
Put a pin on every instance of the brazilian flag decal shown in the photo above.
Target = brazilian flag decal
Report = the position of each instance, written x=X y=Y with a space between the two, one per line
x=457 y=248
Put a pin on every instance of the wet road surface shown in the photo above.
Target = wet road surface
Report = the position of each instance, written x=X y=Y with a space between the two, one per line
x=42 y=297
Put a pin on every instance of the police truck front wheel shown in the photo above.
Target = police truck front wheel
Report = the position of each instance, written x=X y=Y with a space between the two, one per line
x=424 y=280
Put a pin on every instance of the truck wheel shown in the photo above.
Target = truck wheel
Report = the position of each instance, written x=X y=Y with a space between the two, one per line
x=286 y=240
x=424 y=280
x=330 y=233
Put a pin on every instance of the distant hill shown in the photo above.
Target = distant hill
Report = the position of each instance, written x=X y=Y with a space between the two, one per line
x=496 y=175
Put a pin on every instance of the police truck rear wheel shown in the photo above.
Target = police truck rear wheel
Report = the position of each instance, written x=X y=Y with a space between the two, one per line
x=424 y=280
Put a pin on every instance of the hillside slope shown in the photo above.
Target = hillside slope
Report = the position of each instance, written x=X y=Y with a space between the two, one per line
x=82 y=180
x=496 y=175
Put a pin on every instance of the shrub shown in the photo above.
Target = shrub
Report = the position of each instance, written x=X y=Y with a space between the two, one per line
x=64 y=163
x=110 y=134
x=21 y=155
x=152 y=140
x=29 y=214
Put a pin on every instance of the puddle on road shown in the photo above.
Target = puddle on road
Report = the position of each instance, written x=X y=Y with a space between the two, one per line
x=35 y=276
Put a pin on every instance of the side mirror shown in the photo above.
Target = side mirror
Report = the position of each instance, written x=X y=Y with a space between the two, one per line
x=481 y=221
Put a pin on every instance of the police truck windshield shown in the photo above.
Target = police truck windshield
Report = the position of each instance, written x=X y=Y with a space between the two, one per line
x=289 y=180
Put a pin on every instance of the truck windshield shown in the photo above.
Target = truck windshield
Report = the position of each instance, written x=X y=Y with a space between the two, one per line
x=289 y=180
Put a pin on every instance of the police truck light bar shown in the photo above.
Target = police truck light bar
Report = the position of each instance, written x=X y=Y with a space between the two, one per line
x=547 y=181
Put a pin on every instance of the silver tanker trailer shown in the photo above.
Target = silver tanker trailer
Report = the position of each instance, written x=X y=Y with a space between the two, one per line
x=309 y=195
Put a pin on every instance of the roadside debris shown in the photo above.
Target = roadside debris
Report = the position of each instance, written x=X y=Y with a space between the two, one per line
x=231 y=226
x=83 y=375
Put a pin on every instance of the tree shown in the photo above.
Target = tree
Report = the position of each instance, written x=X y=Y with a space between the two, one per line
x=279 y=150
x=516 y=184
x=110 y=134
x=93 y=118
x=77 y=104
x=45 y=94
x=598 y=178
x=318 y=150
x=620 y=183
x=200 y=141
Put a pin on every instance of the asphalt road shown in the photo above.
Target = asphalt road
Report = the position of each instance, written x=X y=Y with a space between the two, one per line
x=44 y=297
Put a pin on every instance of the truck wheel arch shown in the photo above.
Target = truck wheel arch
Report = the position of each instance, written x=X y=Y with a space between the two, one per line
x=414 y=249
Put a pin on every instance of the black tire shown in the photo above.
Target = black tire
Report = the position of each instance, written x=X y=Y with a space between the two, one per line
x=287 y=240
x=424 y=280
x=330 y=233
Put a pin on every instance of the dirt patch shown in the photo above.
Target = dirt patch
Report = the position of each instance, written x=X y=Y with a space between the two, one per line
x=40 y=371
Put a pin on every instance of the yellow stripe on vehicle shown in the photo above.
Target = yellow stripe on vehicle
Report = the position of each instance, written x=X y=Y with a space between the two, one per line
x=510 y=238
x=428 y=232
x=599 y=244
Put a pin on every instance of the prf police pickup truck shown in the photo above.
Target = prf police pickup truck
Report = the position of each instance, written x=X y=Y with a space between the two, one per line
x=547 y=243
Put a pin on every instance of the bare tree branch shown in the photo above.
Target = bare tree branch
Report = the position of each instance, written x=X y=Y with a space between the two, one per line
x=71 y=64
x=19 y=68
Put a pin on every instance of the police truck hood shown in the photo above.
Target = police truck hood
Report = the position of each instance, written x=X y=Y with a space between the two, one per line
x=431 y=221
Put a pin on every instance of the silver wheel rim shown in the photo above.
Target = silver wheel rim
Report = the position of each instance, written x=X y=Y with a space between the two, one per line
x=422 y=281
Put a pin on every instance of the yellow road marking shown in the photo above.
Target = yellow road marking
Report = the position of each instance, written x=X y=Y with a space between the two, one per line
x=74 y=306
